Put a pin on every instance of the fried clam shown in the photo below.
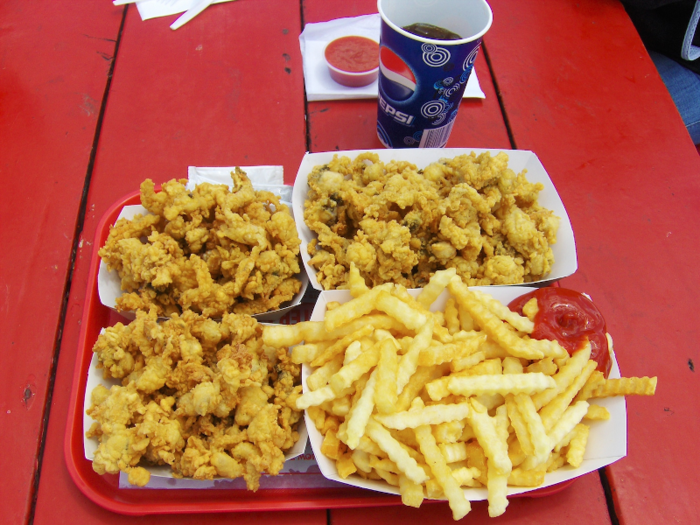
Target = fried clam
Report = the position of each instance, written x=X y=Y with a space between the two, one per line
x=208 y=398
x=211 y=250
x=397 y=223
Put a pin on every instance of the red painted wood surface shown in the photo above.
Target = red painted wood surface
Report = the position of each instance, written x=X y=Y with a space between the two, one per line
x=577 y=89
x=212 y=93
x=580 y=90
x=54 y=62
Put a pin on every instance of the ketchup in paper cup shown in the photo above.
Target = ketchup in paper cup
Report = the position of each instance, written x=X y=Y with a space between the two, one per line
x=353 y=61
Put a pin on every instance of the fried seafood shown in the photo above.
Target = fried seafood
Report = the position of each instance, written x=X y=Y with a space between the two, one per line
x=207 y=398
x=210 y=250
x=399 y=224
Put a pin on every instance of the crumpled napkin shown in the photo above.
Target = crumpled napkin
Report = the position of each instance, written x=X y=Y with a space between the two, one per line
x=269 y=178
x=320 y=85
x=155 y=8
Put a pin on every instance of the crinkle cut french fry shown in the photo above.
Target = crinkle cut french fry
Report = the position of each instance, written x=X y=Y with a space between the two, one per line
x=490 y=323
x=452 y=316
x=394 y=307
x=548 y=348
x=552 y=411
x=466 y=476
x=411 y=493
x=308 y=352
x=360 y=412
x=496 y=307
x=546 y=366
x=351 y=310
x=354 y=350
x=499 y=384
x=315 y=398
x=596 y=379
x=437 y=283
x=497 y=486
x=409 y=361
x=369 y=446
x=378 y=321
x=396 y=453
x=320 y=377
x=565 y=424
x=526 y=478
x=571 y=417
x=437 y=354
x=489 y=438
x=418 y=380
x=339 y=346
x=448 y=432
x=385 y=396
x=519 y=425
x=361 y=460
x=430 y=415
x=577 y=445
x=453 y=452
x=466 y=321
x=459 y=504
x=345 y=465
x=512 y=365
x=355 y=369
x=626 y=386
x=463 y=363
x=290 y=335
x=541 y=443
x=331 y=446
x=597 y=412
x=566 y=375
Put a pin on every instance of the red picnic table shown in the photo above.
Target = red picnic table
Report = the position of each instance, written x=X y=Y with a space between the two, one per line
x=94 y=100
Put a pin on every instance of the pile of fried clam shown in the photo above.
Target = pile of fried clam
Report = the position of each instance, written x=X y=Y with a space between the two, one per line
x=206 y=398
x=399 y=224
x=211 y=250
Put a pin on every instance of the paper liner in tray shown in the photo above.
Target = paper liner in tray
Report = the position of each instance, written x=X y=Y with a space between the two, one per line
x=565 y=261
x=268 y=178
x=607 y=441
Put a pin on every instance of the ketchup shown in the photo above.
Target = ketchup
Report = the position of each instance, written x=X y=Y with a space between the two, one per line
x=353 y=53
x=569 y=317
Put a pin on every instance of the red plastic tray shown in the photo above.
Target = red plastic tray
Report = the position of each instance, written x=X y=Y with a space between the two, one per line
x=104 y=490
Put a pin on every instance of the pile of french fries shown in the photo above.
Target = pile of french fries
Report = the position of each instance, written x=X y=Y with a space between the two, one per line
x=433 y=402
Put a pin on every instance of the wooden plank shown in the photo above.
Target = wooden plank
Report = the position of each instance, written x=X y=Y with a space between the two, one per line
x=54 y=65
x=212 y=93
x=580 y=91
x=342 y=125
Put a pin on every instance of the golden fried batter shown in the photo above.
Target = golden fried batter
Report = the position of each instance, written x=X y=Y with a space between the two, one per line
x=205 y=397
x=399 y=224
x=210 y=250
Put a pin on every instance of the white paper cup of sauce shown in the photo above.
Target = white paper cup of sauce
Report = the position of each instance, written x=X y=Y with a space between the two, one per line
x=352 y=61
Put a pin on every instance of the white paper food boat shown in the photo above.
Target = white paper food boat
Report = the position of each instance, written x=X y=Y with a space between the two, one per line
x=607 y=441
x=565 y=262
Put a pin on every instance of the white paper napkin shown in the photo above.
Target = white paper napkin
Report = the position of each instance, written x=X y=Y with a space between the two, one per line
x=155 y=8
x=320 y=85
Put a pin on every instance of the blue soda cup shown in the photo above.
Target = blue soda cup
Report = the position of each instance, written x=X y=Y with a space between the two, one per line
x=422 y=78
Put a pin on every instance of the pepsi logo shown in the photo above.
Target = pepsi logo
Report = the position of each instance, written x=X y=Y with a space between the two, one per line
x=396 y=79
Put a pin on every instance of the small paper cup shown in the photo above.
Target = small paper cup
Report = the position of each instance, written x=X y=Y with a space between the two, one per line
x=347 y=62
